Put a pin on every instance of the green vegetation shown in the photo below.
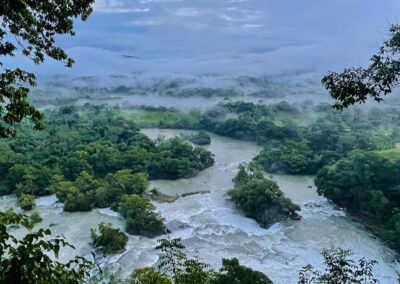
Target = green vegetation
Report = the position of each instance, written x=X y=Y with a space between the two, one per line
x=339 y=268
x=356 y=85
x=147 y=116
x=35 y=218
x=260 y=198
x=148 y=275
x=90 y=158
x=27 y=260
x=140 y=216
x=201 y=138
x=86 y=192
x=30 y=28
x=291 y=157
x=234 y=273
x=368 y=185
x=27 y=202
x=110 y=240
x=177 y=268
x=297 y=138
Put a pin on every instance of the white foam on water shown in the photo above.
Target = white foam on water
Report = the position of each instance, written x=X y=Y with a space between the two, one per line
x=214 y=229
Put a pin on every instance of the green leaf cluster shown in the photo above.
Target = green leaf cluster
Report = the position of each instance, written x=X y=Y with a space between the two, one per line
x=109 y=239
x=260 y=198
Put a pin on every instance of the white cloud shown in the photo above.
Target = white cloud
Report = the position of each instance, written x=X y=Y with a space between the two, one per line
x=187 y=12
x=145 y=23
x=118 y=6
x=252 y=26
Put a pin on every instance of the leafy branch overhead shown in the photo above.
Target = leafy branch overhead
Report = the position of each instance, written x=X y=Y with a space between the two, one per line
x=356 y=85
x=29 y=27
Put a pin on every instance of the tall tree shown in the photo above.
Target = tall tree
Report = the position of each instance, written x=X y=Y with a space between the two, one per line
x=356 y=85
x=30 y=27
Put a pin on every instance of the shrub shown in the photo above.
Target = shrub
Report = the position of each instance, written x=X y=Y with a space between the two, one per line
x=140 y=216
x=109 y=239
x=35 y=218
x=27 y=202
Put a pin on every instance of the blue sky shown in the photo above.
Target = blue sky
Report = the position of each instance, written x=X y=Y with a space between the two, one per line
x=226 y=36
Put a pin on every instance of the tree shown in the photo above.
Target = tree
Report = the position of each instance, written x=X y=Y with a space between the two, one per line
x=35 y=218
x=260 y=198
x=27 y=260
x=290 y=157
x=109 y=239
x=339 y=268
x=234 y=273
x=30 y=27
x=172 y=259
x=356 y=85
x=127 y=182
x=175 y=264
x=148 y=275
x=200 y=138
x=26 y=201
x=367 y=184
x=140 y=216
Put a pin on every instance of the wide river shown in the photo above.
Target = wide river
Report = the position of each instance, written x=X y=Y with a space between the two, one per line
x=213 y=229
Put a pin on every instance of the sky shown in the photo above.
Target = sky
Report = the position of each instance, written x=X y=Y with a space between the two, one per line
x=230 y=37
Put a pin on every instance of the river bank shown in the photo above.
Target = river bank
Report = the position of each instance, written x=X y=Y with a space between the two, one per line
x=210 y=225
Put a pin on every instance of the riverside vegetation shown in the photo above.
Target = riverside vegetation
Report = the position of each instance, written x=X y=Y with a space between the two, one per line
x=88 y=150
x=304 y=138
x=260 y=198
x=29 y=172
x=95 y=156
x=96 y=159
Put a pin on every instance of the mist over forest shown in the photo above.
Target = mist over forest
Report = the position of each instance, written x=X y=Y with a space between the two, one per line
x=200 y=142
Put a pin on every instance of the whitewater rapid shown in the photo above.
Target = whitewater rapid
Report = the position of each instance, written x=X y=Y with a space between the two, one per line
x=212 y=228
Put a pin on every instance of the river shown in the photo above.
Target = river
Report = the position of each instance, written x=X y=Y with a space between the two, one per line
x=211 y=227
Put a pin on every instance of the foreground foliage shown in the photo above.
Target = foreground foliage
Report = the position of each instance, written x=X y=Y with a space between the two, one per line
x=30 y=28
x=260 y=198
x=356 y=85
x=339 y=268
x=30 y=260
x=175 y=267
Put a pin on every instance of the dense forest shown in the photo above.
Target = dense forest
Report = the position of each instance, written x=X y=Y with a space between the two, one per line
x=368 y=185
x=303 y=138
x=297 y=138
x=95 y=158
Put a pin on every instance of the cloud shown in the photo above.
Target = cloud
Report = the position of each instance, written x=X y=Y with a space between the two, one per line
x=146 y=23
x=252 y=26
x=187 y=12
x=226 y=36
x=118 y=6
